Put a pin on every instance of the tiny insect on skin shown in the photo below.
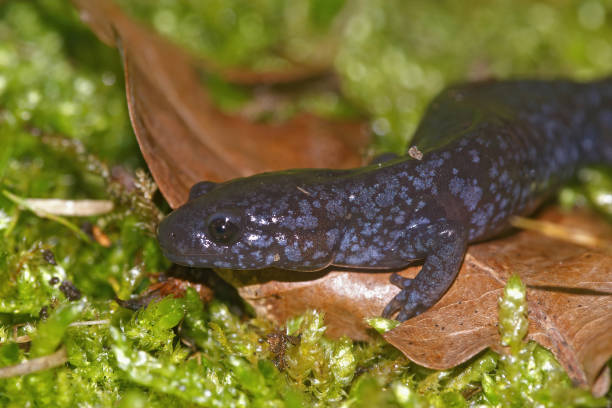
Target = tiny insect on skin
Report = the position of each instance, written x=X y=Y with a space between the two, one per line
x=483 y=153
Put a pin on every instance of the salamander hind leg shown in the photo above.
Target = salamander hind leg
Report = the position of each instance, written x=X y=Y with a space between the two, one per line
x=443 y=246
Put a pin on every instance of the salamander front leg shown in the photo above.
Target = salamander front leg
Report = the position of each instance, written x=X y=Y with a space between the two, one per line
x=443 y=246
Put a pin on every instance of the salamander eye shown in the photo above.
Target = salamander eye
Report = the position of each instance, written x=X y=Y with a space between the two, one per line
x=223 y=230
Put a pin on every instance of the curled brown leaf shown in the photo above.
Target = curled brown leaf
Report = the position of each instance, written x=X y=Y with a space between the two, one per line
x=185 y=139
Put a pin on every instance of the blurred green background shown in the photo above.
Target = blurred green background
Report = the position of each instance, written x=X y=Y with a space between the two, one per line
x=392 y=56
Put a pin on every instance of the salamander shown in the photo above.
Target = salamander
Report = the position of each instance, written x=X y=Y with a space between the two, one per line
x=482 y=153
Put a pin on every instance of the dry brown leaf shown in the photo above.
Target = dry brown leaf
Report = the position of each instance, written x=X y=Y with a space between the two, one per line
x=185 y=139
x=569 y=293
x=243 y=76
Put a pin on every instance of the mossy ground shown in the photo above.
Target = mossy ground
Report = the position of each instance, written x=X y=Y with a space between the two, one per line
x=61 y=96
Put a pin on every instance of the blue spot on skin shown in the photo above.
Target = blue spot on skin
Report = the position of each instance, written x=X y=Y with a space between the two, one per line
x=493 y=171
x=482 y=216
x=385 y=199
x=418 y=222
x=306 y=222
x=471 y=195
x=335 y=207
x=479 y=218
x=456 y=185
x=331 y=237
x=505 y=177
x=288 y=222
x=270 y=259
x=419 y=183
x=346 y=241
x=318 y=255
x=281 y=239
x=261 y=242
x=293 y=254
x=368 y=229
x=365 y=256
x=305 y=207
x=474 y=155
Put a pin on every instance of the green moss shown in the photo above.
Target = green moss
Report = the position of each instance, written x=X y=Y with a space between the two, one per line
x=381 y=325
x=594 y=189
x=529 y=375
x=50 y=333
x=57 y=79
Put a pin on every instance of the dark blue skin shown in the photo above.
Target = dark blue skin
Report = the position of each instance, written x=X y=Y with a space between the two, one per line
x=490 y=151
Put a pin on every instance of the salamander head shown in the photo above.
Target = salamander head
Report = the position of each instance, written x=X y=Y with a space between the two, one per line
x=251 y=223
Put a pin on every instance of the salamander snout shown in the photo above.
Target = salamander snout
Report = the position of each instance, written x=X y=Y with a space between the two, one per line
x=167 y=236
x=180 y=238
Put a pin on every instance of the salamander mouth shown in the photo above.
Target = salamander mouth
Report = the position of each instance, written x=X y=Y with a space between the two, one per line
x=207 y=260
x=193 y=260
x=200 y=260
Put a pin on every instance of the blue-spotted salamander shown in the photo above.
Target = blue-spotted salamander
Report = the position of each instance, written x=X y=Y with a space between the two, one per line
x=483 y=153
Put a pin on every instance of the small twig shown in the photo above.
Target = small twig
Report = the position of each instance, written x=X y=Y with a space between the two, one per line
x=90 y=323
x=36 y=364
x=70 y=208
x=21 y=339
x=100 y=237
x=15 y=338
x=136 y=194
x=27 y=339
x=43 y=214
x=303 y=190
